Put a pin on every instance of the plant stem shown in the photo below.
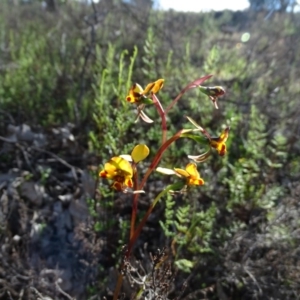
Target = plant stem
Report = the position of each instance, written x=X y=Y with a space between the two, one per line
x=134 y=202
x=162 y=114
x=146 y=216
x=191 y=85
x=136 y=234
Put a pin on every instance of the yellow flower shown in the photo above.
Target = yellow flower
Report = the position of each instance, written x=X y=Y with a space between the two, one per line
x=121 y=168
x=120 y=171
x=191 y=174
x=154 y=87
x=137 y=94
x=219 y=142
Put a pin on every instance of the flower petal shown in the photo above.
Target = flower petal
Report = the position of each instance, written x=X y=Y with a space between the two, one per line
x=166 y=171
x=131 y=99
x=136 y=88
x=118 y=163
x=128 y=182
x=158 y=84
x=104 y=174
x=224 y=135
x=198 y=181
x=219 y=142
x=110 y=167
x=154 y=87
x=148 y=88
x=138 y=192
x=117 y=186
x=135 y=93
x=191 y=168
x=182 y=173
x=222 y=149
x=139 y=152
x=200 y=158
x=196 y=158
x=144 y=117
x=127 y=157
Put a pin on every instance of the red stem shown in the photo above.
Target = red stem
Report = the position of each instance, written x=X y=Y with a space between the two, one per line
x=138 y=230
x=134 y=234
x=191 y=85
x=134 y=201
x=164 y=135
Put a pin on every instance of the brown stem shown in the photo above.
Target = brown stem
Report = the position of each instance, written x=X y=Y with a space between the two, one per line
x=118 y=287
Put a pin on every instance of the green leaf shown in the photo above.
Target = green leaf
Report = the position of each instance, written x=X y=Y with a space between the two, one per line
x=184 y=265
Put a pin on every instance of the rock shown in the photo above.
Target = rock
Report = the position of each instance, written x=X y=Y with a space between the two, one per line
x=79 y=210
x=33 y=192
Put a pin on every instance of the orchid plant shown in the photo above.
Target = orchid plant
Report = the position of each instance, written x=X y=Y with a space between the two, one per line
x=122 y=170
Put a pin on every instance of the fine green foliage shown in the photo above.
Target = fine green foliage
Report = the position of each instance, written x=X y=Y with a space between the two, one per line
x=108 y=102
x=255 y=156
x=190 y=231
x=169 y=216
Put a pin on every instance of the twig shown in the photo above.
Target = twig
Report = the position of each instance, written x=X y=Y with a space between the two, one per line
x=37 y=293
x=62 y=161
x=61 y=291
x=21 y=294
x=253 y=278
x=8 y=288
x=19 y=146
x=7 y=140
x=8 y=293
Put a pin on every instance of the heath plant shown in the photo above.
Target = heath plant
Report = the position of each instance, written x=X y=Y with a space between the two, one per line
x=123 y=169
